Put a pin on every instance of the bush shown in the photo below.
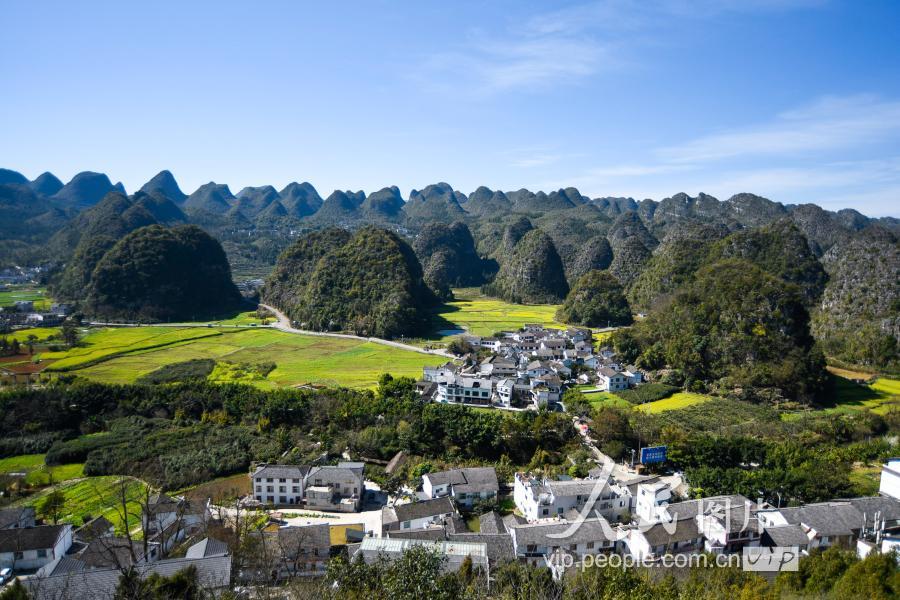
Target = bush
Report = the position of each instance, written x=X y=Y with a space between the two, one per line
x=198 y=368
x=648 y=392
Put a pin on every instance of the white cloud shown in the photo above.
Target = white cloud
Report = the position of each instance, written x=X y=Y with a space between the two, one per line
x=828 y=124
x=567 y=45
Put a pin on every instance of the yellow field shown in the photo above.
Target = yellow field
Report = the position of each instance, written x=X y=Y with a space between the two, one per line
x=41 y=333
x=673 y=402
x=480 y=315
x=124 y=354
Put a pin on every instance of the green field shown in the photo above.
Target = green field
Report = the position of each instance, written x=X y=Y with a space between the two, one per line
x=121 y=355
x=93 y=497
x=598 y=399
x=41 y=333
x=480 y=315
x=37 y=295
x=676 y=401
x=37 y=473
x=878 y=397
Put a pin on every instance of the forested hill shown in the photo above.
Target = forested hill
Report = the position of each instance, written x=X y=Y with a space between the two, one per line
x=524 y=245
x=370 y=283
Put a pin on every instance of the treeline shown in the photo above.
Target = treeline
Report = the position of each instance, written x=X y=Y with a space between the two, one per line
x=184 y=433
x=833 y=574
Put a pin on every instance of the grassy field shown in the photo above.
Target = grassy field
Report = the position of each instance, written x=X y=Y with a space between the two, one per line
x=93 y=497
x=481 y=315
x=37 y=295
x=37 y=473
x=41 y=333
x=598 y=399
x=124 y=354
x=878 y=397
x=676 y=401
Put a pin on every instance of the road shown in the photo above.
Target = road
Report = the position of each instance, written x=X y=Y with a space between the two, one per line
x=284 y=324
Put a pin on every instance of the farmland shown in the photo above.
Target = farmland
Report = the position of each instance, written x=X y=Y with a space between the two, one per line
x=36 y=472
x=15 y=294
x=96 y=496
x=676 y=401
x=122 y=355
x=477 y=314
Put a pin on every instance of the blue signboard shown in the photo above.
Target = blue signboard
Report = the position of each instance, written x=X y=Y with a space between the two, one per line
x=653 y=454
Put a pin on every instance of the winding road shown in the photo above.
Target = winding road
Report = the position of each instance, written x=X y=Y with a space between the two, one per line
x=284 y=324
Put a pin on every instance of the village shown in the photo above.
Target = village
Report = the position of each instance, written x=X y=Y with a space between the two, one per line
x=312 y=513
x=529 y=368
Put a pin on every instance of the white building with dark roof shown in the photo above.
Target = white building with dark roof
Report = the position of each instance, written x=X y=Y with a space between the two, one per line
x=417 y=515
x=28 y=548
x=465 y=486
x=543 y=498
x=279 y=484
x=534 y=542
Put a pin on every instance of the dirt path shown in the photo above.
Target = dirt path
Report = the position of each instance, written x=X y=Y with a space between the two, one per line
x=284 y=324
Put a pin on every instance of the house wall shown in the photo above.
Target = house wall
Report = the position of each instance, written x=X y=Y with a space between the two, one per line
x=890 y=479
x=280 y=491
x=33 y=559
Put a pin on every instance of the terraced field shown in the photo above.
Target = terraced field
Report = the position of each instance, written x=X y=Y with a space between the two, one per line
x=122 y=355
x=96 y=496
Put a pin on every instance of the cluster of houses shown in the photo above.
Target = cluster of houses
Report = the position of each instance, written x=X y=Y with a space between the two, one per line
x=635 y=515
x=22 y=314
x=87 y=562
x=629 y=514
x=20 y=275
x=528 y=368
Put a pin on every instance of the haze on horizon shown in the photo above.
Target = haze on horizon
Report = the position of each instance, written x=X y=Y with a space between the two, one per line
x=795 y=100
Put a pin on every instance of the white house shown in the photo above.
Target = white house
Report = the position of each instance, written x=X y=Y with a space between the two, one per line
x=654 y=541
x=467 y=389
x=890 y=479
x=29 y=548
x=167 y=520
x=533 y=542
x=335 y=488
x=610 y=380
x=497 y=366
x=279 y=484
x=465 y=486
x=543 y=499
x=731 y=530
x=417 y=515
x=634 y=375
x=651 y=500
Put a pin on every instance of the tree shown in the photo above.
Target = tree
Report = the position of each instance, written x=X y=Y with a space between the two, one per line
x=52 y=506
x=15 y=591
x=596 y=300
x=70 y=333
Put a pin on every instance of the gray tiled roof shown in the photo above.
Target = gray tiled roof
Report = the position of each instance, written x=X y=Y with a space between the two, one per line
x=212 y=573
x=491 y=522
x=712 y=505
x=888 y=509
x=827 y=518
x=207 y=547
x=538 y=534
x=580 y=487
x=499 y=546
x=681 y=531
x=786 y=535
x=16 y=517
x=293 y=539
x=31 y=538
x=96 y=527
x=468 y=479
x=281 y=471
x=421 y=510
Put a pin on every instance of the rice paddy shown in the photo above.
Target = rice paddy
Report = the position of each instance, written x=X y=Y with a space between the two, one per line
x=477 y=314
x=121 y=355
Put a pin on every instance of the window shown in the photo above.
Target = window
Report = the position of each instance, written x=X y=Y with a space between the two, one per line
x=42 y=553
x=268 y=480
x=18 y=556
x=295 y=480
x=282 y=489
x=282 y=480
x=590 y=545
x=296 y=489
x=573 y=547
x=282 y=499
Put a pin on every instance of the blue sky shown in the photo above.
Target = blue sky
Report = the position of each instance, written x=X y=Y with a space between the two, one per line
x=797 y=100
